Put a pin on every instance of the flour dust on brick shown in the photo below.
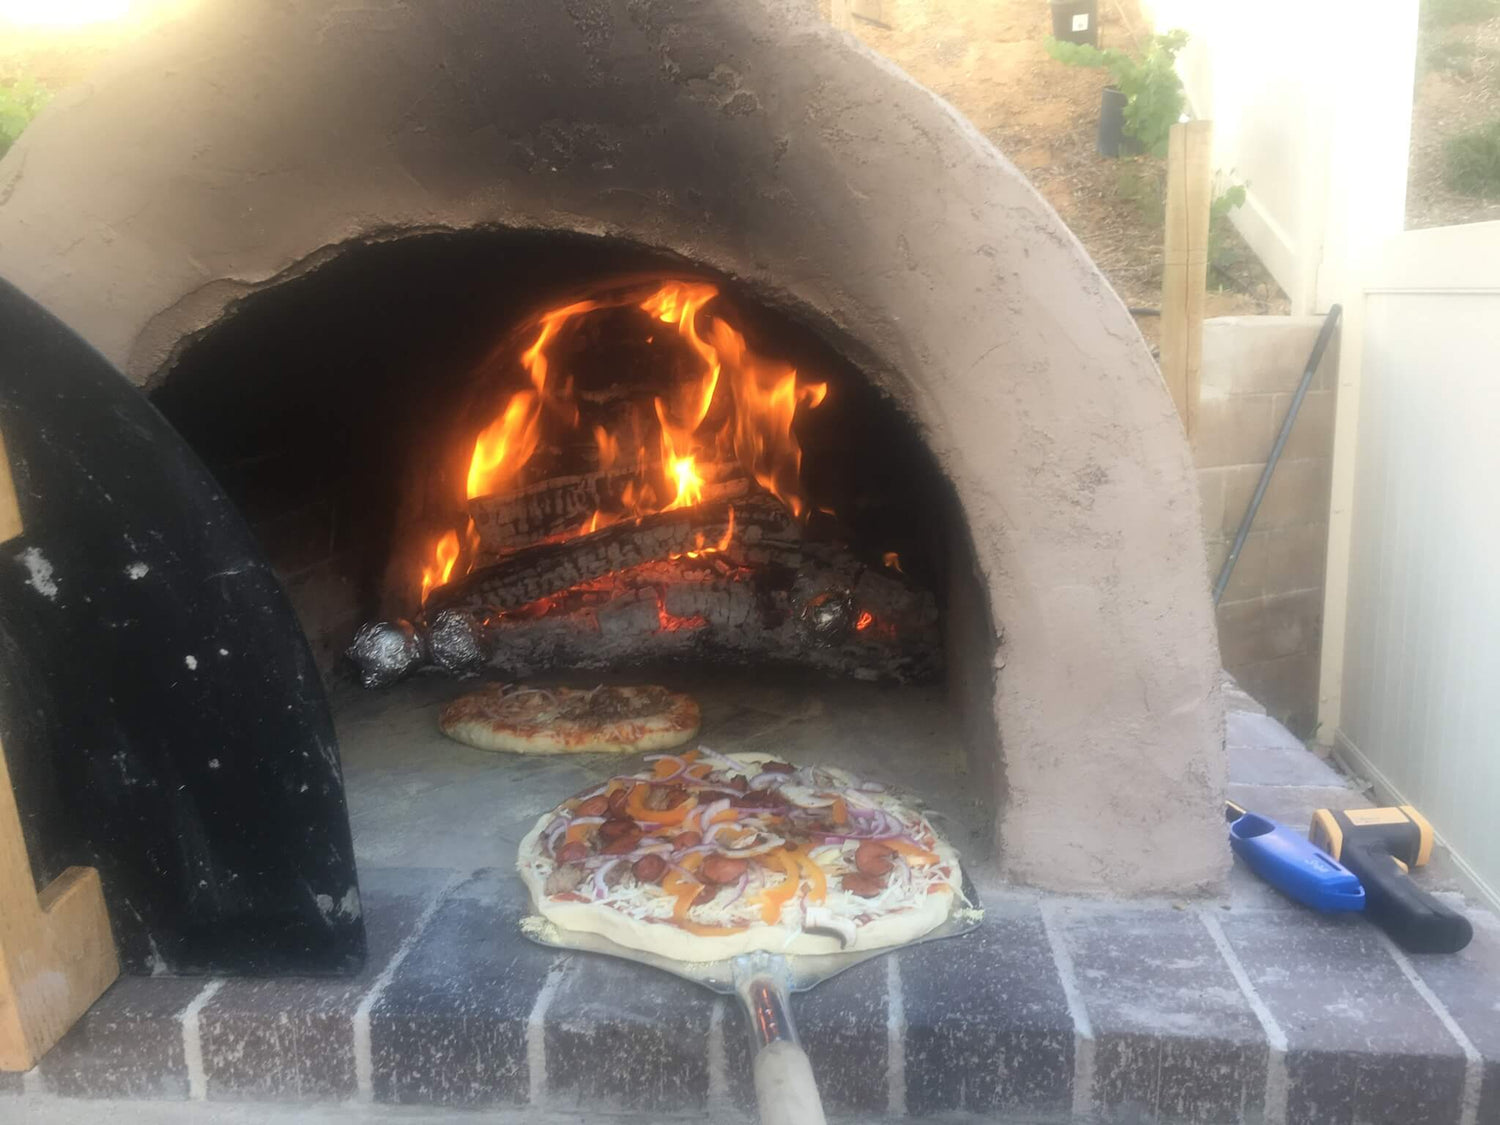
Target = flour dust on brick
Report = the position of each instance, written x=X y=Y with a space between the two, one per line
x=704 y=856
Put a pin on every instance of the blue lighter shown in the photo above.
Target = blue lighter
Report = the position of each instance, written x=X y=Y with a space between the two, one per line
x=1291 y=863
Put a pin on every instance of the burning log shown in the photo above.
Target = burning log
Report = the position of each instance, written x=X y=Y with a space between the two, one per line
x=677 y=585
x=565 y=505
x=710 y=609
x=744 y=530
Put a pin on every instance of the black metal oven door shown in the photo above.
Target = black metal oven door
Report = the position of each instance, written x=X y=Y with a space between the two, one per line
x=160 y=710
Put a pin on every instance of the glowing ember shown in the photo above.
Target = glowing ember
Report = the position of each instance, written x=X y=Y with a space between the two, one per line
x=866 y=619
x=892 y=561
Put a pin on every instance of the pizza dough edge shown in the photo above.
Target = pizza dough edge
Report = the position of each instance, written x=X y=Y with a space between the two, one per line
x=666 y=940
x=475 y=734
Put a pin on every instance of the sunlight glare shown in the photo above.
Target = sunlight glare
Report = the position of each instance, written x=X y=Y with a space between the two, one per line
x=62 y=13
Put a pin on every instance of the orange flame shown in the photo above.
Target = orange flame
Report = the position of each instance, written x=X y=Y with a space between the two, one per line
x=866 y=619
x=445 y=556
x=723 y=544
x=504 y=446
x=892 y=561
x=737 y=405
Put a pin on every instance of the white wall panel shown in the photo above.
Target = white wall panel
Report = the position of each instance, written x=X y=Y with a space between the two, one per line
x=1421 y=675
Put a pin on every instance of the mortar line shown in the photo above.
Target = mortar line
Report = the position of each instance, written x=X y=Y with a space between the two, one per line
x=718 y=1063
x=536 y=1031
x=359 y=1023
x=1083 y=1029
x=1274 y=1111
x=895 y=1040
x=1473 y=1061
x=192 y=1041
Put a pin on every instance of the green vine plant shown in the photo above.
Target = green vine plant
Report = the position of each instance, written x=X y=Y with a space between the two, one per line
x=21 y=99
x=1154 y=100
x=1220 y=259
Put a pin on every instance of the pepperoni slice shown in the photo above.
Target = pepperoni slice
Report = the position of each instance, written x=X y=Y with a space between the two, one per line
x=572 y=853
x=650 y=868
x=722 y=869
x=621 y=845
x=866 y=886
x=594 y=806
x=614 y=829
x=873 y=858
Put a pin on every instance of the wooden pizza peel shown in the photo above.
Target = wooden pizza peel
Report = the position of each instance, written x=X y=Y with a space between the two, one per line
x=786 y=1090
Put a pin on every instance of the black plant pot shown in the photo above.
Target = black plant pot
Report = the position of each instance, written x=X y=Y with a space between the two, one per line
x=1112 y=138
x=1076 y=21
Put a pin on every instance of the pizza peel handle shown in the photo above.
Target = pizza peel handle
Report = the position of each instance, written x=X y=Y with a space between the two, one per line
x=785 y=1090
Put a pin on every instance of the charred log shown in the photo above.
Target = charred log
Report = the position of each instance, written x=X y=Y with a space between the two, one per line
x=564 y=505
x=708 y=609
x=760 y=524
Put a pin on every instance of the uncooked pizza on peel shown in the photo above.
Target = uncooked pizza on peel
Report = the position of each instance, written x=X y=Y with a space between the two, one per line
x=560 y=720
x=703 y=856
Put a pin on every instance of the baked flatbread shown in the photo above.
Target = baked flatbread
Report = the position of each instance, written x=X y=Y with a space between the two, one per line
x=705 y=856
x=604 y=720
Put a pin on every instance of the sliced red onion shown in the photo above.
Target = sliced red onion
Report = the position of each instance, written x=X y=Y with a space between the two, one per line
x=705 y=818
x=713 y=832
x=739 y=890
x=585 y=820
x=723 y=762
x=596 y=885
x=555 y=831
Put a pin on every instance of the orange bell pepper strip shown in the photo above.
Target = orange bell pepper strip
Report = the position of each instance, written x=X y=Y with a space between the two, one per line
x=772 y=899
x=576 y=833
x=666 y=767
x=684 y=891
x=817 y=881
x=915 y=855
x=635 y=805
x=840 y=811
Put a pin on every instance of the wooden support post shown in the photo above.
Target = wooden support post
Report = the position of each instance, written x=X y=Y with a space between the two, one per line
x=57 y=954
x=1184 y=277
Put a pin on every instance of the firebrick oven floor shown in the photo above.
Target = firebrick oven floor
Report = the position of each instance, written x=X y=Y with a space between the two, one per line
x=419 y=799
x=1245 y=1010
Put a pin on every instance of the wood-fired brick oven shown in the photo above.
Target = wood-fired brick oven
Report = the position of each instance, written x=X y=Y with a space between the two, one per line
x=322 y=213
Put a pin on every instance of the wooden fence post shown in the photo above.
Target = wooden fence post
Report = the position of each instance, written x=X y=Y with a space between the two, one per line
x=57 y=954
x=1184 y=278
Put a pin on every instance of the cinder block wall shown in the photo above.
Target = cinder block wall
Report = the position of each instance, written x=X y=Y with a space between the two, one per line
x=1271 y=618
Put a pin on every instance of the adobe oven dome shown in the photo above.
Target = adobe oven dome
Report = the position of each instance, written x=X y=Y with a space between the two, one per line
x=253 y=142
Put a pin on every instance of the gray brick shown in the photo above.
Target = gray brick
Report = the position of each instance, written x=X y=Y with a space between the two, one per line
x=293 y=1038
x=1468 y=984
x=450 y=1028
x=632 y=1037
x=1362 y=1044
x=128 y=1045
x=1175 y=1039
x=987 y=1024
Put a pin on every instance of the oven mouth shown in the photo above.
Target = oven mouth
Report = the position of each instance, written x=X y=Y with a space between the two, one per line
x=602 y=464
